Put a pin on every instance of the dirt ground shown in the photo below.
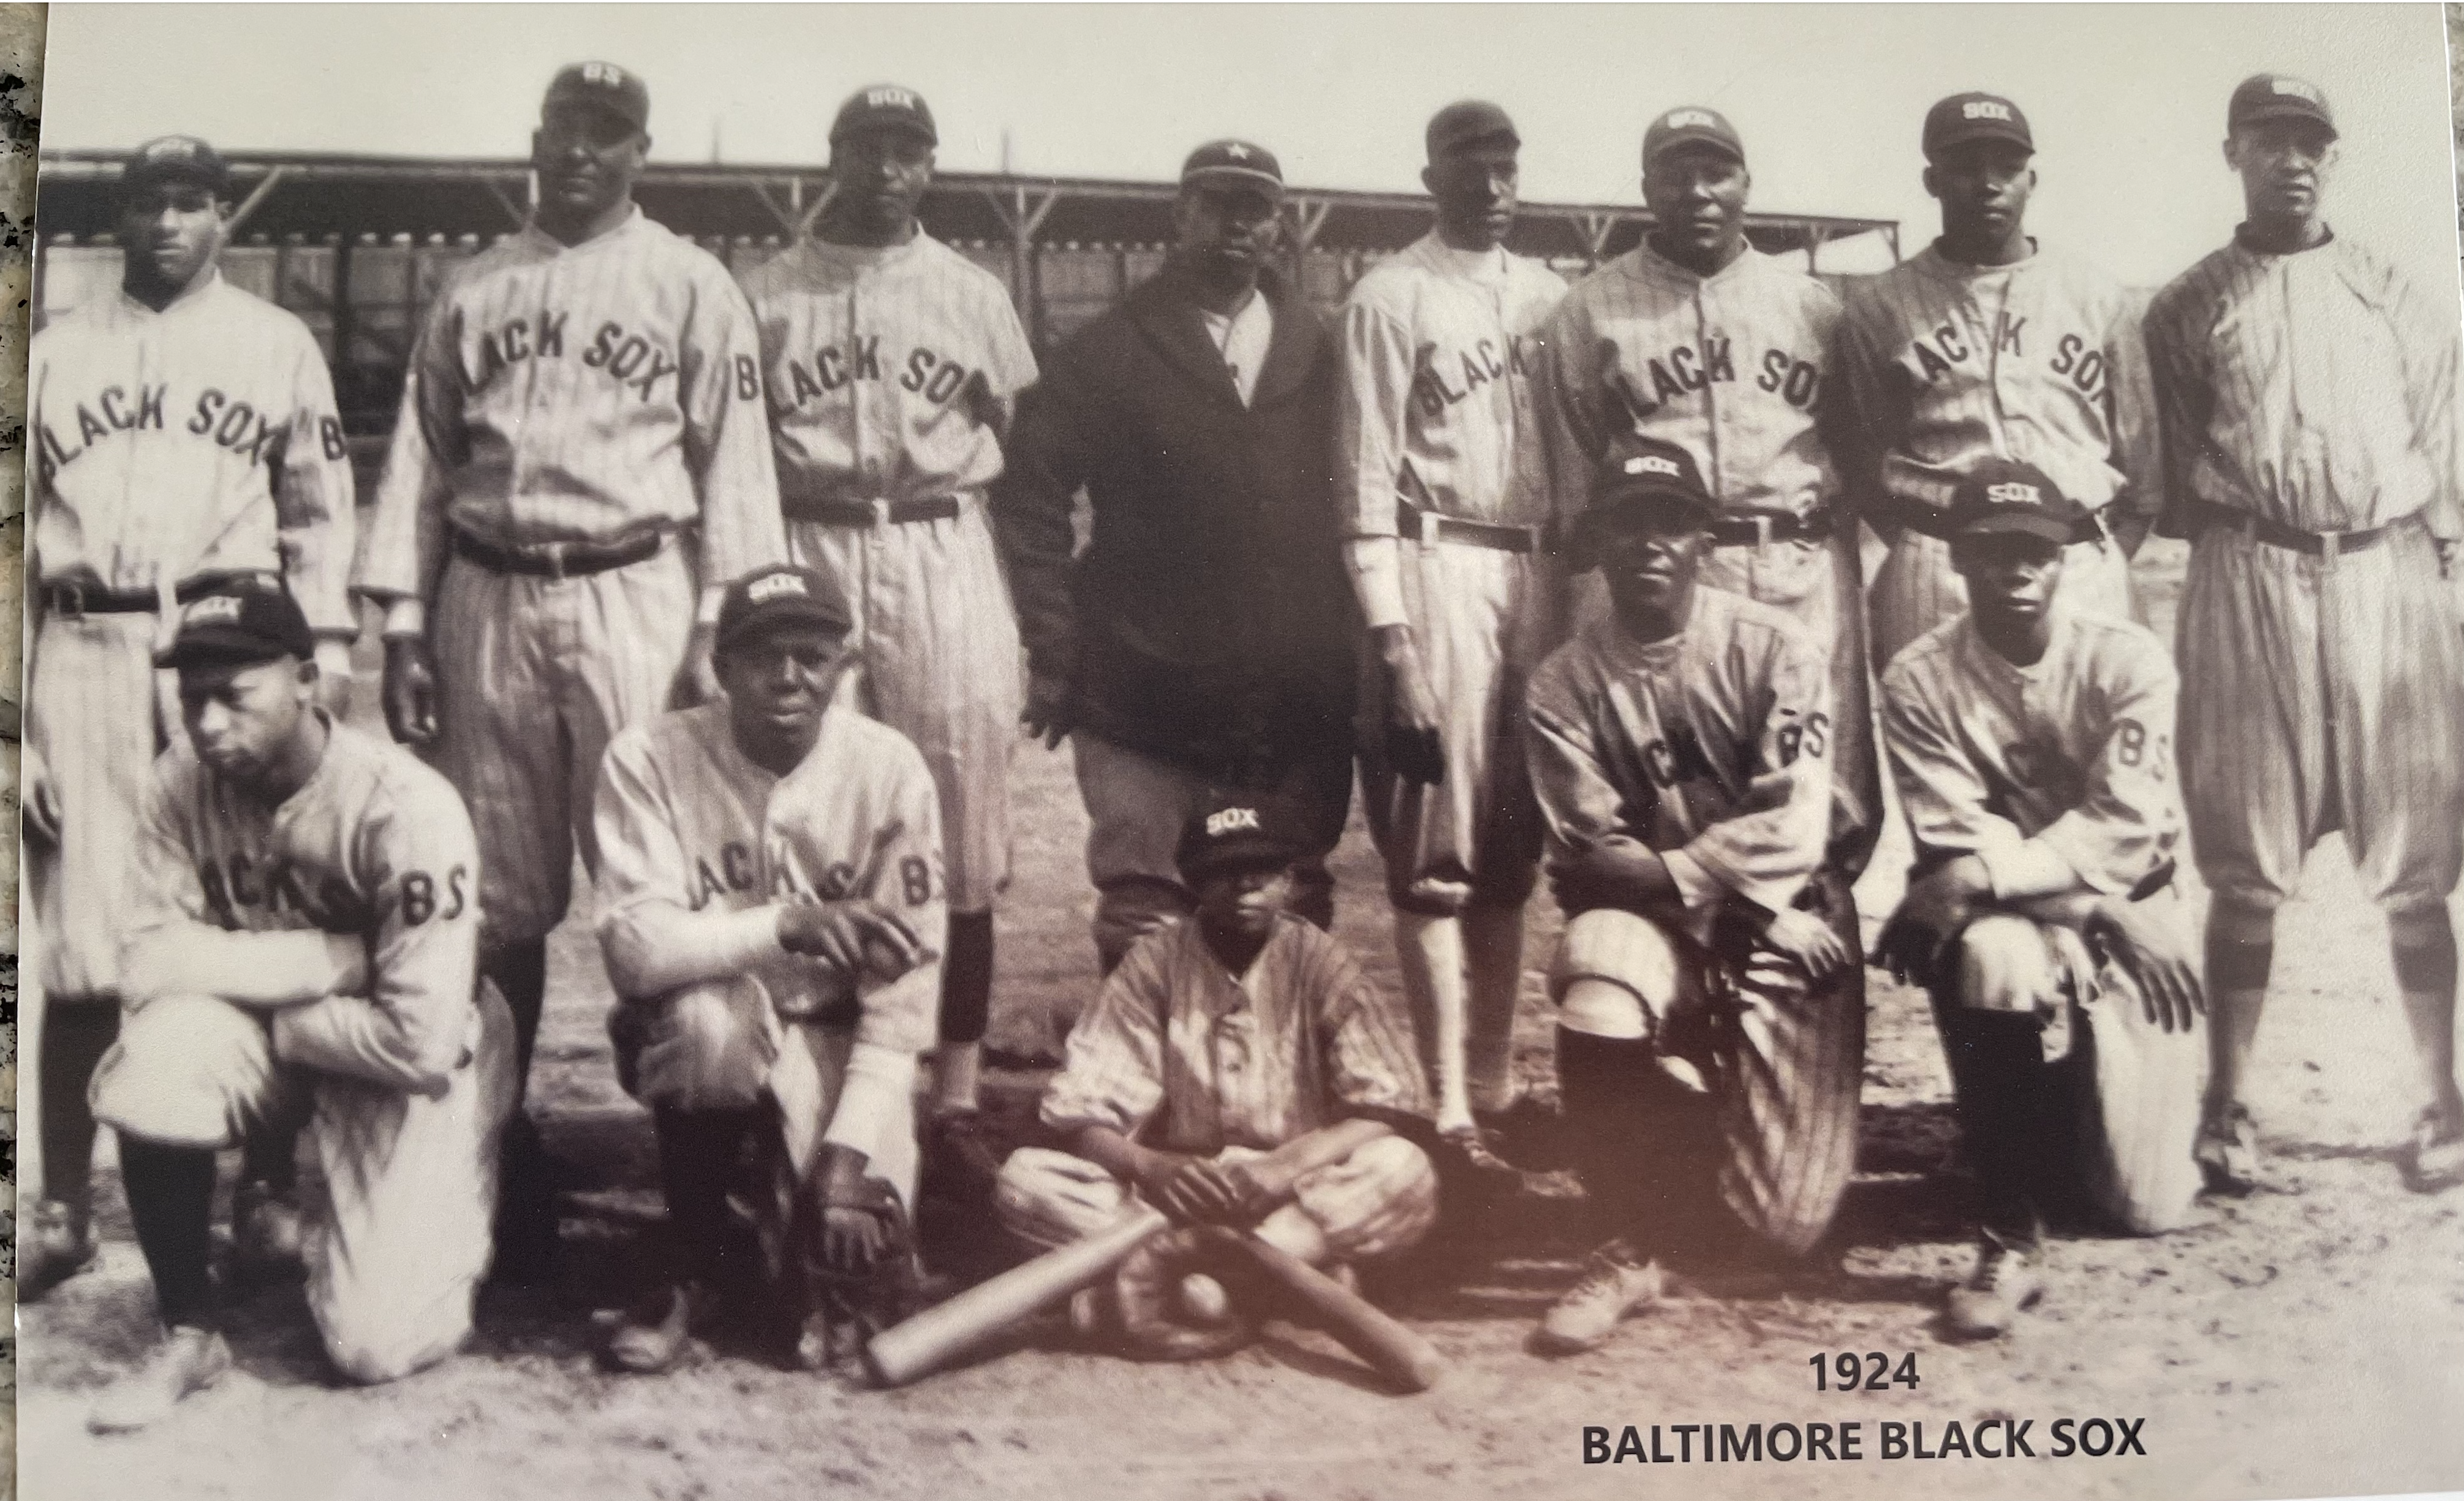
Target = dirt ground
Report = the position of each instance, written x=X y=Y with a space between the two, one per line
x=2304 y=1342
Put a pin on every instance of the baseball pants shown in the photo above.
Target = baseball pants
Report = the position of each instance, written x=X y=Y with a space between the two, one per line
x=1477 y=621
x=1136 y=806
x=935 y=641
x=1783 y=1061
x=538 y=676
x=2118 y=1114
x=94 y=718
x=1377 y=1202
x=1915 y=590
x=2321 y=694
x=399 y=1241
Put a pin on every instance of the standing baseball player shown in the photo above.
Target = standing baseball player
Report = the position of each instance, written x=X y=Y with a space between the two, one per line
x=2033 y=746
x=1988 y=344
x=1696 y=337
x=2306 y=389
x=770 y=908
x=893 y=362
x=1711 y=1018
x=184 y=432
x=303 y=925
x=581 y=437
x=1436 y=436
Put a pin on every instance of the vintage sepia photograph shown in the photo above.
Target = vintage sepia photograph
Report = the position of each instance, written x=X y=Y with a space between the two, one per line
x=1308 y=751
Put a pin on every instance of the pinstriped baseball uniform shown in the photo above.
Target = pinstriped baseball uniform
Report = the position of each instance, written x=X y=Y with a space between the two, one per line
x=2060 y=777
x=364 y=884
x=2039 y=361
x=689 y=830
x=567 y=395
x=891 y=375
x=1434 y=414
x=1732 y=366
x=1713 y=748
x=2317 y=391
x=168 y=445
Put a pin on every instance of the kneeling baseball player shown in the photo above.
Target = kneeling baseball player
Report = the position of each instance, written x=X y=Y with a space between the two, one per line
x=771 y=886
x=304 y=932
x=2032 y=742
x=1238 y=1069
x=1711 y=1034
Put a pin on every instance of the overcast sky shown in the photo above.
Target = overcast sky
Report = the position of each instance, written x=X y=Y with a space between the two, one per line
x=2127 y=102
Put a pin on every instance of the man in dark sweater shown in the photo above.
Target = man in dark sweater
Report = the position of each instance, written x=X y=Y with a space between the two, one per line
x=1204 y=640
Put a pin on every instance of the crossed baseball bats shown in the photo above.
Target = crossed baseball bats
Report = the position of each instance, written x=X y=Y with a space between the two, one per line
x=948 y=1331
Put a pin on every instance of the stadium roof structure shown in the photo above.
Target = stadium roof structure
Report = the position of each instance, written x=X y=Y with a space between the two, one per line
x=318 y=196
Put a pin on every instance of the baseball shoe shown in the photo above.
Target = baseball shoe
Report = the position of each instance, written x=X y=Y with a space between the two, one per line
x=2228 y=1152
x=654 y=1334
x=190 y=1360
x=2005 y=1284
x=2435 y=1160
x=54 y=1247
x=961 y=1159
x=269 y=1234
x=1616 y=1281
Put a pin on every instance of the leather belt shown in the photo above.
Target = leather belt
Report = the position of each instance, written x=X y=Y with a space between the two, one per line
x=562 y=560
x=2205 y=514
x=1754 y=528
x=1425 y=526
x=67 y=601
x=870 y=512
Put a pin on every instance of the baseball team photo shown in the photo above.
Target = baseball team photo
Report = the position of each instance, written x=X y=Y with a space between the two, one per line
x=1335 y=752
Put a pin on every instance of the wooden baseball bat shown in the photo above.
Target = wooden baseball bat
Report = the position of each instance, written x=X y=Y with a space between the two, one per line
x=946 y=1331
x=1393 y=1350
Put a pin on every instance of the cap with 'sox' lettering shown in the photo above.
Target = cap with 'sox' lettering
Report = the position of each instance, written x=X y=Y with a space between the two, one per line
x=1691 y=125
x=601 y=85
x=779 y=595
x=1237 y=831
x=885 y=106
x=1999 y=495
x=1964 y=118
x=241 y=623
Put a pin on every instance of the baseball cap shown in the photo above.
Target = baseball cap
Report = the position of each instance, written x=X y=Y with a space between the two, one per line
x=1690 y=125
x=1237 y=831
x=239 y=623
x=602 y=84
x=2002 y=496
x=1649 y=474
x=885 y=106
x=1963 y=117
x=176 y=158
x=779 y=595
x=1467 y=121
x=1237 y=160
x=2277 y=96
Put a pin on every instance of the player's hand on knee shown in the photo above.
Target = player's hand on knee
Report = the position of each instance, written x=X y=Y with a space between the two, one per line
x=409 y=691
x=1048 y=717
x=854 y=1230
x=2153 y=948
x=1812 y=943
x=1190 y=1189
x=1413 y=746
x=41 y=800
x=851 y=937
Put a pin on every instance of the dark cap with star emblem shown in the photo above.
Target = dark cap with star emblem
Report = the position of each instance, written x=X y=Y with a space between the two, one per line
x=2000 y=495
x=603 y=86
x=2278 y=96
x=176 y=158
x=1234 y=161
x=1237 y=831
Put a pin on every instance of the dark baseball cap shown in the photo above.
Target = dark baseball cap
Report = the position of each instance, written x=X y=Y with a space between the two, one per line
x=2277 y=96
x=1234 y=161
x=1467 y=121
x=1237 y=831
x=1650 y=474
x=781 y=595
x=1964 y=118
x=885 y=106
x=604 y=85
x=1691 y=125
x=2000 y=495
x=239 y=623
x=176 y=158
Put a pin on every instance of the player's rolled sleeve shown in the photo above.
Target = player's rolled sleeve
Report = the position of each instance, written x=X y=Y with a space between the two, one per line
x=651 y=938
x=2131 y=394
x=727 y=434
x=1580 y=807
x=1771 y=846
x=1873 y=419
x=404 y=549
x=1372 y=416
x=1113 y=1072
x=1047 y=459
x=2130 y=820
x=2185 y=403
x=906 y=878
x=315 y=515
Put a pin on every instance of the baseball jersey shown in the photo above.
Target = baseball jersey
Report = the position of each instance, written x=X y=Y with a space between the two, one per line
x=370 y=867
x=890 y=372
x=1435 y=408
x=576 y=393
x=1184 y=1056
x=2039 y=361
x=1730 y=364
x=690 y=830
x=197 y=439
x=1710 y=747
x=2317 y=390
x=2056 y=774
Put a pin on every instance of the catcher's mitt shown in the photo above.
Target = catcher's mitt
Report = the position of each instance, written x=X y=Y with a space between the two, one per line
x=1140 y=1315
